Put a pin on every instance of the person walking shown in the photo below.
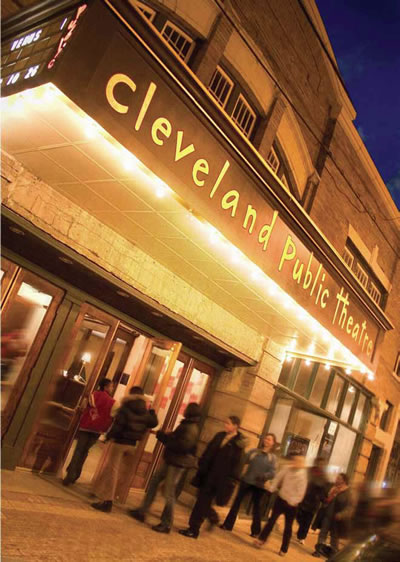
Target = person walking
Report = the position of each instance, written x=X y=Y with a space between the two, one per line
x=291 y=481
x=131 y=423
x=219 y=470
x=96 y=419
x=336 y=519
x=179 y=455
x=315 y=494
x=261 y=468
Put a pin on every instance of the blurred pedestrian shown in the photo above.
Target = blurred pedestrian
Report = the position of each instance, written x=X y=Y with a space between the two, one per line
x=131 y=423
x=179 y=454
x=291 y=481
x=316 y=492
x=261 y=468
x=96 y=419
x=219 y=470
x=336 y=519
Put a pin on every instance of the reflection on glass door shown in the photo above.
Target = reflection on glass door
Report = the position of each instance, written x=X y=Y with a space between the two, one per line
x=69 y=388
x=26 y=319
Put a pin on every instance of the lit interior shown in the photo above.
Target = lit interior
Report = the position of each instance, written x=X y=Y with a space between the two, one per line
x=68 y=150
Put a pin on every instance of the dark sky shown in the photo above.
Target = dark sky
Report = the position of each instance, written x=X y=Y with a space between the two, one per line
x=365 y=37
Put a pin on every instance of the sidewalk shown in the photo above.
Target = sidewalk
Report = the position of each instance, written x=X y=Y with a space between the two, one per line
x=44 y=521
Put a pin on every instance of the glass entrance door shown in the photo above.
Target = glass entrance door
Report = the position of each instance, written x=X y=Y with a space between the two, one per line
x=29 y=304
x=69 y=389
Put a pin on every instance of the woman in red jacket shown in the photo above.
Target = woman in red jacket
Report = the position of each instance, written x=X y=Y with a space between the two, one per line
x=95 y=420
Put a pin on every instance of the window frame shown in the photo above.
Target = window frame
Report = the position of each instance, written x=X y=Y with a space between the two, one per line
x=360 y=273
x=229 y=81
x=348 y=257
x=143 y=8
x=274 y=157
x=374 y=292
x=241 y=98
x=386 y=416
x=396 y=369
x=183 y=34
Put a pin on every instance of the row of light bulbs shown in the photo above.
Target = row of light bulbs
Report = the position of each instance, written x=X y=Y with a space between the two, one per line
x=92 y=130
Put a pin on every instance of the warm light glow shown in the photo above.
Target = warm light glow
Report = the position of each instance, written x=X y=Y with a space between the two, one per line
x=327 y=367
x=371 y=376
x=348 y=371
x=86 y=357
x=289 y=358
x=20 y=105
x=308 y=362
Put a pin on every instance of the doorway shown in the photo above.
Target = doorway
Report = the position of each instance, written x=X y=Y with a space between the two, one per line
x=99 y=345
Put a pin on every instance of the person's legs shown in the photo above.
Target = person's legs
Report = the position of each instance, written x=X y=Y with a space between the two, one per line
x=290 y=514
x=85 y=440
x=230 y=519
x=277 y=510
x=155 y=481
x=201 y=509
x=173 y=474
x=304 y=519
x=106 y=484
x=258 y=494
x=334 y=538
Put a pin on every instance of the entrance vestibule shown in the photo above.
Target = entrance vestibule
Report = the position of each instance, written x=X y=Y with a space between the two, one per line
x=92 y=344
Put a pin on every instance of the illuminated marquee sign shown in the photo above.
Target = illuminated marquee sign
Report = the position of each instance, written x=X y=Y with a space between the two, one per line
x=121 y=86
x=26 y=56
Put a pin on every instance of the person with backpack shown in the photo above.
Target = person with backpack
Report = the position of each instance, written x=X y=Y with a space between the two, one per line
x=261 y=468
x=179 y=454
x=219 y=470
x=132 y=421
x=291 y=483
x=96 y=419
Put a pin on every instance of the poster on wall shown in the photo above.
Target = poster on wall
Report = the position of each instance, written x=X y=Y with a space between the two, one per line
x=297 y=445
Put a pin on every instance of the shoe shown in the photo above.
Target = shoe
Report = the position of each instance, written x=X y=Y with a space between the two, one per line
x=281 y=553
x=316 y=554
x=137 y=514
x=160 y=528
x=254 y=535
x=189 y=533
x=300 y=541
x=67 y=482
x=106 y=506
x=258 y=543
x=224 y=528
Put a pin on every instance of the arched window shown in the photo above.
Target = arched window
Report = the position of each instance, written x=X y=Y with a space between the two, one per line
x=276 y=159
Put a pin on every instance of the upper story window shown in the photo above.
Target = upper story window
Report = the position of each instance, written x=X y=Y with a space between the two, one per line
x=360 y=268
x=397 y=365
x=146 y=10
x=221 y=86
x=386 y=415
x=228 y=94
x=277 y=162
x=244 y=116
x=348 y=257
x=361 y=275
x=178 y=39
x=273 y=160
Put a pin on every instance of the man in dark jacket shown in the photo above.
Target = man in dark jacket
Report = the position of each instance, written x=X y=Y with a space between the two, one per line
x=131 y=423
x=316 y=492
x=95 y=420
x=219 y=470
x=179 y=454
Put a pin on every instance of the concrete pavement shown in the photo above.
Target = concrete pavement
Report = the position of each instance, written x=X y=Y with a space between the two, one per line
x=44 y=521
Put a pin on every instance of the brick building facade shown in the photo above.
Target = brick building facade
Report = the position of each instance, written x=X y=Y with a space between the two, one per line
x=260 y=80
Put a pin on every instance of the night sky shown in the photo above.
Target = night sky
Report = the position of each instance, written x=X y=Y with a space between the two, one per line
x=365 y=37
